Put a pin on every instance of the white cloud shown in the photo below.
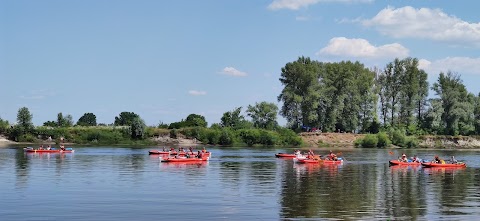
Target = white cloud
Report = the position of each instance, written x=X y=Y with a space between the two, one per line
x=38 y=94
x=33 y=97
x=434 y=24
x=233 y=72
x=297 y=4
x=197 y=93
x=301 y=18
x=361 y=48
x=461 y=65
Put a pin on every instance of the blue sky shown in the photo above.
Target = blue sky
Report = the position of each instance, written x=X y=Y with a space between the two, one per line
x=167 y=59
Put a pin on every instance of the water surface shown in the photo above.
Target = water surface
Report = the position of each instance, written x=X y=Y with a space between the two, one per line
x=107 y=183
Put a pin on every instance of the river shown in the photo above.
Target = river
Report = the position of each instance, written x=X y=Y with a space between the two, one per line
x=113 y=183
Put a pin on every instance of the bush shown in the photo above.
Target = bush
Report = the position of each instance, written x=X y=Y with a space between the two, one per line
x=227 y=137
x=358 y=142
x=249 y=136
x=289 y=137
x=27 y=138
x=268 y=137
x=383 y=140
x=370 y=141
x=213 y=136
x=397 y=137
x=173 y=133
x=411 y=142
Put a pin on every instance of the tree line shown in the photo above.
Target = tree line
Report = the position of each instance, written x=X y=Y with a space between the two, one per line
x=233 y=128
x=346 y=96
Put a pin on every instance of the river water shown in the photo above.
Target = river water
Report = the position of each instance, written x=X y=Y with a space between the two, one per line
x=112 y=183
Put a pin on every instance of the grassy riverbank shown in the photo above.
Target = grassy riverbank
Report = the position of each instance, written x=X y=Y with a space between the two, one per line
x=121 y=135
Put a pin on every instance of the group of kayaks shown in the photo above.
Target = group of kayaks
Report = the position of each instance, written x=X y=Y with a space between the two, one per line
x=48 y=150
x=181 y=156
x=310 y=158
x=428 y=164
x=316 y=159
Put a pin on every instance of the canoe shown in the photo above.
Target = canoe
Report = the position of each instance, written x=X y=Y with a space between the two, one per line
x=289 y=155
x=158 y=152
x=285 y=155
x=340 y=161
x=184 y=159
x=445 y=165
x=48 y=151
x=396 y=162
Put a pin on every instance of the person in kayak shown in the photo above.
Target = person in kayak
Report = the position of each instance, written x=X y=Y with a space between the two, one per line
x=415 y=159
x=62 y=147
x=438 y=160
x=453 y=160
x=310 y=154
x=403 y=158
x=41 y=147
x=297 y=153
x=332 y=156
x=199 y=154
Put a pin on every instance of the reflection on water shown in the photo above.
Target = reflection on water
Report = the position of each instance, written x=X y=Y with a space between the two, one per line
x=236 y=184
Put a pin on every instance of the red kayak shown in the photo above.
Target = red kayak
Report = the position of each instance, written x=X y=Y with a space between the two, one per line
x=285 y=155
x=445 y=165
x=47 y=151
x=289 y=155
x=184 y=159
x=396 y=162
x=175 y=153
x=320 y=161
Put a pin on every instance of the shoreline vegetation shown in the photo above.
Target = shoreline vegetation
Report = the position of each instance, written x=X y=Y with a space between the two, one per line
x=105 y=135
x=336 y=103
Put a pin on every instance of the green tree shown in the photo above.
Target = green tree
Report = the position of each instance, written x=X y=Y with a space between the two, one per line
x=233 y=119
x=4 y=125
x=66 y=121
x=125 y=119
x=477 y=114
x=456 y=102
x=162 y=125
x=393 y=82
x=413 y=93
x=301 y=92
x=432 y=122
x=88 y=119
x=137 y=128
x=50 y=123
x=195 y=120
x=24 y=120
x=422 y=94
x=264 y=115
